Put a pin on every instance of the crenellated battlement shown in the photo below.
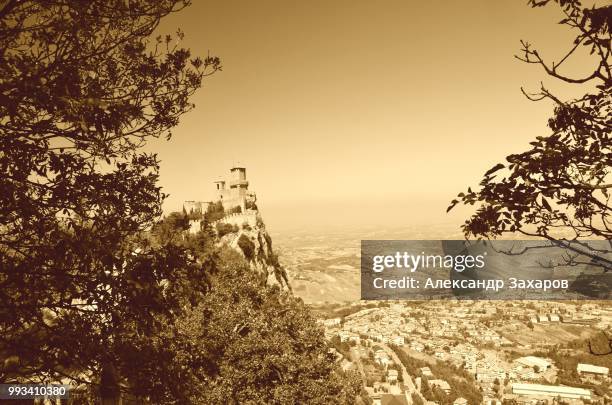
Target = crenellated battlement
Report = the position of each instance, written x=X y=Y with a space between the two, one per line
x=239 y=218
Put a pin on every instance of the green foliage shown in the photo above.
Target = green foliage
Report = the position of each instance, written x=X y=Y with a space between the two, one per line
x=83 y=284
x=260 y=224
x=441 y=397
x=598 y=346
x=83 y=88
x=171 y=228
x=343 y=348
x=247 y=246
x=235 y=210
x=412 y=365
x=400 y=375
x=580 y=351
x=214 y=212
x=461 y=382
x=193 y=214
x=426 y=390
x=224 y=229
x=201 y=246
x=251 y=343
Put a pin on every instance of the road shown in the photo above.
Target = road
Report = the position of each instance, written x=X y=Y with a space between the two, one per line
x=408 y=383
x=407 y=378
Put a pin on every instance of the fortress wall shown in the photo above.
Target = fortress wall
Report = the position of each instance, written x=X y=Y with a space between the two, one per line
x=196 y=206
x=231 y=202
x=250 y=217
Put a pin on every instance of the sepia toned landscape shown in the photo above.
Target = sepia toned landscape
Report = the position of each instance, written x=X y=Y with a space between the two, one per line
x=198 y=199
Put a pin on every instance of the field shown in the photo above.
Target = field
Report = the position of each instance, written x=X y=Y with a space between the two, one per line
x=321 y=269
x=550 y=334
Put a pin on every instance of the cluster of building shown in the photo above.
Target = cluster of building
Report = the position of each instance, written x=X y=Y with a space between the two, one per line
x=464 y=335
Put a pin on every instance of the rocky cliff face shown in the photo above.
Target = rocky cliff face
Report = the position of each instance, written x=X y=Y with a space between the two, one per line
x=246 y=233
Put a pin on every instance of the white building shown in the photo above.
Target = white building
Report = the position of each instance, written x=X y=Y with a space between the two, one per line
x=397 y=340
x=426 y=371
x=532 y=361
x=443 y=385
x=331 y=322
x=382 y=358
x=591 y=369
x=538 y=390
x=416 y=346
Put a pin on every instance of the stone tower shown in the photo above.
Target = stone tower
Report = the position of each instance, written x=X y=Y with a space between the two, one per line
x=222 y=192
x=238 y=194
x=239 y=185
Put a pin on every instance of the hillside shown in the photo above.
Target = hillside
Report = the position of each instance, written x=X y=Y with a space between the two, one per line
x=246 y=233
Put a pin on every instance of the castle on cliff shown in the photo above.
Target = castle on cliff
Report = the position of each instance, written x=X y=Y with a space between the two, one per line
x=238 y=225
x=236 y=195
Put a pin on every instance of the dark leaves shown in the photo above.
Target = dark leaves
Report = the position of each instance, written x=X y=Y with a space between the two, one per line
x=81 y=90
x=494 y=169
x=570 y=169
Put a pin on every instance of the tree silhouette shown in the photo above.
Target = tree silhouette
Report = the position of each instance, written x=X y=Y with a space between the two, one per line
x=82 y=88
x=559 y=189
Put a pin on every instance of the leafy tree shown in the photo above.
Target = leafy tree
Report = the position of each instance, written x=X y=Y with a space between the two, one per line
x=85 y=292
x=411 y=364
x=224 y=229
x=398 y=368
x=82 y=88
x=171 y=229
x=235 y=210
x=426 y=390
x=440 y=396
x=214 y=212
x=247 y=342
x=559 y=189
x=343 y=348
x=247 y=246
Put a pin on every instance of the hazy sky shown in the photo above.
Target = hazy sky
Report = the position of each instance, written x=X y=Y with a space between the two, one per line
x=358 y=112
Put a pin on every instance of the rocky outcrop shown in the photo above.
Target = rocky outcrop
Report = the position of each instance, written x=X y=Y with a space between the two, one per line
x=246 y=234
